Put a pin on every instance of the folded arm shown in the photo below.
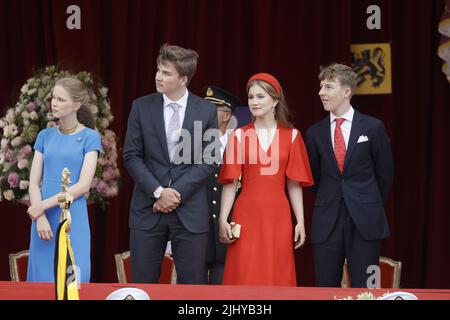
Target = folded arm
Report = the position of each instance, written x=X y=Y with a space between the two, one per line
x=38 y=206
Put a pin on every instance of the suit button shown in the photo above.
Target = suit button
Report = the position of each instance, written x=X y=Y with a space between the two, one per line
x=214 y=202
x=214 y=216
x=215 y=188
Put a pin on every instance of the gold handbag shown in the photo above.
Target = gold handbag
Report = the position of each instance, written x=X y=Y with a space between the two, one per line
x=235 y=230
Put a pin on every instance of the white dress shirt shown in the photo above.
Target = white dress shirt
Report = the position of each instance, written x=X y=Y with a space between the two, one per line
x=168 y=111
x=223 y=141
x=346 y=126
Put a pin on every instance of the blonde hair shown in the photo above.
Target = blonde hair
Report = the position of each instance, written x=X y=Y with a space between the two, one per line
x=79 y=93
x=340 y=72
x=282 y=113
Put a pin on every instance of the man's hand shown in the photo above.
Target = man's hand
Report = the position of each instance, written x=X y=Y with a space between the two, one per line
x=170 y=199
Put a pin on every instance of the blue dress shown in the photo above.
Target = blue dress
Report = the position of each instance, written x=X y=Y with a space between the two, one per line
x=62 y=151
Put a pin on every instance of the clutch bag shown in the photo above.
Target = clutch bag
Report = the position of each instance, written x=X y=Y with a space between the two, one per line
x=235 y=230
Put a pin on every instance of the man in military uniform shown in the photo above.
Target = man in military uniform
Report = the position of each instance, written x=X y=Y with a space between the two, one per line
x=216 y=252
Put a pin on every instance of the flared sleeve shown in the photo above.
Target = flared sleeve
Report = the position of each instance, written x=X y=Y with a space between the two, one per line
x=298 y=168
x=232 y=159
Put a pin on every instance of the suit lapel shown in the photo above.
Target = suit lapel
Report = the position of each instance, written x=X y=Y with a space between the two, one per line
x=160 y=128
x=192 y=109
x=355 y=132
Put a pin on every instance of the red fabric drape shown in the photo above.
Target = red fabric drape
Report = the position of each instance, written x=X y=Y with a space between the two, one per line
x=119 y=42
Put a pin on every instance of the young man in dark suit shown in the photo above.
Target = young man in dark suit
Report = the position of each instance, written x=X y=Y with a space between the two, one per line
x=165 y=154
x=225 y=103
x=352 y=165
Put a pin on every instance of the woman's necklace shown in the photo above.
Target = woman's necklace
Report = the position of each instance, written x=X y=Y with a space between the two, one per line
x=69 y=131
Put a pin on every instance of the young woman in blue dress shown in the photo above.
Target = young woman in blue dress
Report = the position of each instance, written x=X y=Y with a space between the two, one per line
x=74 y=144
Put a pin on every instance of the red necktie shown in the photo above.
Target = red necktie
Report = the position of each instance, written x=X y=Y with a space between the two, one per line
x=339 y=144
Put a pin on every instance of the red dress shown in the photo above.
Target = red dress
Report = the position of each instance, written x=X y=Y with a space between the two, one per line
x=264 y=254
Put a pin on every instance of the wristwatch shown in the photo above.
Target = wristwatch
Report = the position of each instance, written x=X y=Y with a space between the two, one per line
x=157 y=192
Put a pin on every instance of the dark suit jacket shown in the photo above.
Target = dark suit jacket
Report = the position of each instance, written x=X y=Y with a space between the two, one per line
x=147 y=160
x=216 y=250
x=364 y=184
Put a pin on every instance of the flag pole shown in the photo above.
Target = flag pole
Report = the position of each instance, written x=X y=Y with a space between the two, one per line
x=66 y=286
x=65 y=201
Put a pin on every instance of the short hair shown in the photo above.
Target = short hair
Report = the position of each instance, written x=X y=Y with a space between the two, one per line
x=184 y=60
x=340 y=72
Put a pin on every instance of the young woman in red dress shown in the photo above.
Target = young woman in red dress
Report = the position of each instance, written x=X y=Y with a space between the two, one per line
x=270 y=157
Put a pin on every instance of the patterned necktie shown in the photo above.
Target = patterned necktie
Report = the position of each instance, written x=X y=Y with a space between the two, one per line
x=339 y=144
x=173 y=130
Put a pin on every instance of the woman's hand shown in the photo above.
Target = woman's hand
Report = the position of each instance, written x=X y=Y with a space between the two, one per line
x=43 y=228
x=299 y=235
x=36 y=210
x=225 y=235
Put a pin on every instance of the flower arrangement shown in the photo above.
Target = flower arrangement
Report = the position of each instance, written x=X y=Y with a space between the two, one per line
x=363 y=296
x=32 y=113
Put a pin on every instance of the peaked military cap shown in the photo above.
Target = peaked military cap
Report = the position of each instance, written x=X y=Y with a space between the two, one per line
x=221 y=97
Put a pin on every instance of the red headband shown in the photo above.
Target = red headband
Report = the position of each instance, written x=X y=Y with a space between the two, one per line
x=267 y=78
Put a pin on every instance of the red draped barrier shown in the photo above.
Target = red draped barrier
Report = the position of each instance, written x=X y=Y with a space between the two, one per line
x=99 y=291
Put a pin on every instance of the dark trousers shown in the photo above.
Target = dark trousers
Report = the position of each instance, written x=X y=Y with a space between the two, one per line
x=147 y=249
x=345 y=241
x=215 y=275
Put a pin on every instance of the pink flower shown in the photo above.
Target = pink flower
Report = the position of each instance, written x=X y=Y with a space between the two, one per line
x=13 y=180
x=27 y=150
x=4 y=143
x=13 y=130
x=10 y=157
x=10 y=115
x=110 y=135
x=101 y=161
x=22 y=164
x=24 y=184
x=9 y=195
x=113 y=155
x=31 y=106
x=104 y=123
x=105 y=144
x=109 y=174
x=25 y=114
x=16 y=141
x=33 y=115
x=113 y=191
x=102 y=187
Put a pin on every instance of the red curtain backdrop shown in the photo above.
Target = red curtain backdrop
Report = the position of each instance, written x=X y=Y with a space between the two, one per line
x=119 y=42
